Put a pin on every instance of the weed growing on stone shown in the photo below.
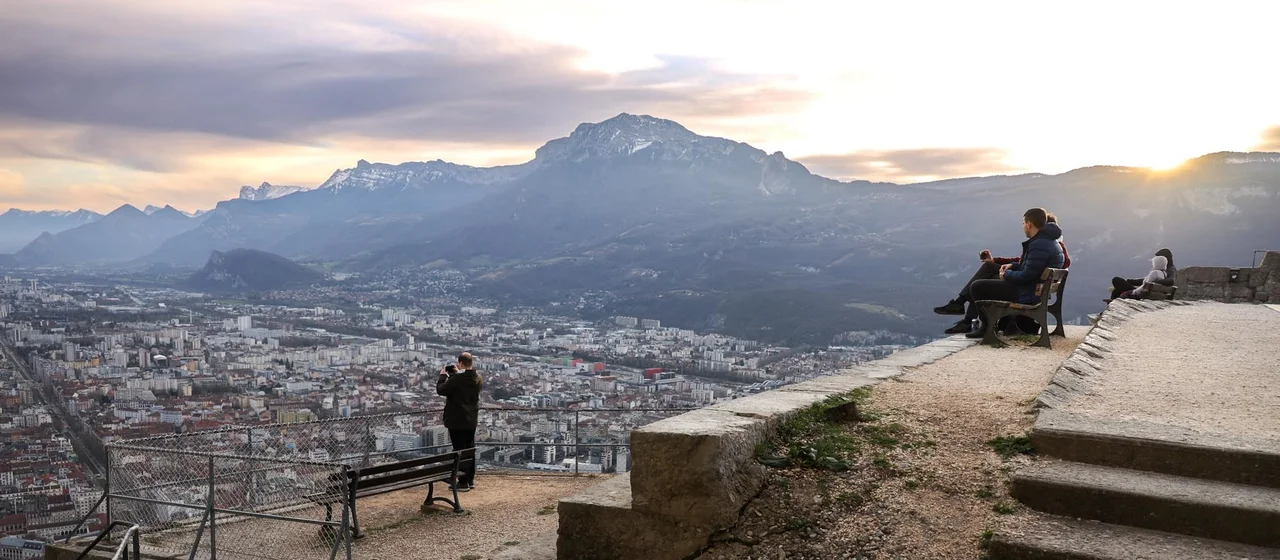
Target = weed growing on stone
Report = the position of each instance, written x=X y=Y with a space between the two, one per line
x=813 y=439
x=1009 y=446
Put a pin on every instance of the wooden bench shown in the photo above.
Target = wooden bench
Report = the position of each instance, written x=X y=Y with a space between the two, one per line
x=1052 y=282
x=380 y=479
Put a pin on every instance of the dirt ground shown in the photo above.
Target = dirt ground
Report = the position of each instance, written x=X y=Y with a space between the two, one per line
x=924 y=482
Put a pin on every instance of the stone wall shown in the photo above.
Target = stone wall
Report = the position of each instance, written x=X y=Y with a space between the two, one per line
x=1253 y=285
x=693 y=473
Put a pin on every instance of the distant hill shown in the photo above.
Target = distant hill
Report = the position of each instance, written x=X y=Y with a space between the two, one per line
x=125 y=234
x=242 y=270
x=268 y=191
x=20 y=227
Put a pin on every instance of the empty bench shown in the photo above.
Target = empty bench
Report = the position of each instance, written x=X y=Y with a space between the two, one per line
x=372 y=480
x=1052 y=282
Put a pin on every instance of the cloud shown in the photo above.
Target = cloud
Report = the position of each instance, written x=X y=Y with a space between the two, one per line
x=111 y=91
x=1270 y=140
x=910 y=165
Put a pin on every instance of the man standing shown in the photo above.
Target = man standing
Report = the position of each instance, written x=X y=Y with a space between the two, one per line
x=461 y=390
x=1017 y=282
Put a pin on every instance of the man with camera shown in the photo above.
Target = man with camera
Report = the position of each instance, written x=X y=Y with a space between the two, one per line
x=461 y=390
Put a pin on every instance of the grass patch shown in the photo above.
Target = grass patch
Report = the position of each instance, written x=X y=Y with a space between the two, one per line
x=1004 y=508
x=510 y=543
x=547 y=510
x=1009 y=446
x=887 y=436
x=811 y=439
x=986 y=493
x=911 y=484
x=797 y=523
x=1027 y=338
x=471 y=557
x=984 y=540
x=881 y=462
x=850 y=499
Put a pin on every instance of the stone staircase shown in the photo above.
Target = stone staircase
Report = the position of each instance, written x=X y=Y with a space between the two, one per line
x=1127 y=490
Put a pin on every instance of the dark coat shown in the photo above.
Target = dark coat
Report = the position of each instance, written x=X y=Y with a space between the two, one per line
x=1038 y=253
x=462 y=399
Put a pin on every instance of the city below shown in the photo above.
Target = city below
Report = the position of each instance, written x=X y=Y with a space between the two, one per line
x=87 y=362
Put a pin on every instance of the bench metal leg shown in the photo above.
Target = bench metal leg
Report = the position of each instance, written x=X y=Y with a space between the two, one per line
x=1043 y=341
x=1056 y=310
x=992 y=335
x=432 y=498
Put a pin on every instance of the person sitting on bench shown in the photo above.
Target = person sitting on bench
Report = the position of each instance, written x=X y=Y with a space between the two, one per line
x=1017 y=282
x=1119 y=286
x=989 y=270
x=1158 y=265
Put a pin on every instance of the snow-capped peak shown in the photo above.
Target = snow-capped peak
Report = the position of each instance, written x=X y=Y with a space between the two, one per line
x=373 y=176
x=267 y=191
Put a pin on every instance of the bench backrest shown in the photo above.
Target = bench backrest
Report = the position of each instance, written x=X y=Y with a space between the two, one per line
x=413 y=469
x=1052 y=282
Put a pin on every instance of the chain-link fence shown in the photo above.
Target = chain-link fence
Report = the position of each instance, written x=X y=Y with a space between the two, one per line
x=279 y=490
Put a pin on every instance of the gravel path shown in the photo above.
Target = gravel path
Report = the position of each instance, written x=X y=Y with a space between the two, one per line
x=929 y=496
x=1210 y=367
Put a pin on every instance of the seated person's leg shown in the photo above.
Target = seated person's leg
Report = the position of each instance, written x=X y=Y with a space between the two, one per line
x=987 y=271
x=1119 y=286
x=997 y=290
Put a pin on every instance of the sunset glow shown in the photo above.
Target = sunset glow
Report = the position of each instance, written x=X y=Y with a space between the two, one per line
x=153 y=103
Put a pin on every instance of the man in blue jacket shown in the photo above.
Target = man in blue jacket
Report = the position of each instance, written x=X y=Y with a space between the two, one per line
x=1017 y=282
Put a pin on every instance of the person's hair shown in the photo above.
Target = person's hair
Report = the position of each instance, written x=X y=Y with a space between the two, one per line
x=465 y=360
x=1037 y=216
x=1050 y=218
x=1167 y=254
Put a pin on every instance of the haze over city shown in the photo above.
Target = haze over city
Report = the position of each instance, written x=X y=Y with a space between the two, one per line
x=181 y=103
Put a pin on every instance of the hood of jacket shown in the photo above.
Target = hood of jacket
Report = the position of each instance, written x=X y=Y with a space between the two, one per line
x=1159 y=263
x=1049 y=231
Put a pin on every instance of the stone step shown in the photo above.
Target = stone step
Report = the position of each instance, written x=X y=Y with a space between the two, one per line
x=1158 y=448
x=1190 y=506
x=1046 y=537
x=599 y=522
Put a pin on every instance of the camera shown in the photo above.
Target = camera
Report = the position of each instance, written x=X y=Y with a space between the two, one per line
x=451 y=369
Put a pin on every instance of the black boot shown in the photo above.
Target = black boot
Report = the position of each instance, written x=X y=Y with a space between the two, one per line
x=962 y=326
x=978 y=331
x=953 y=307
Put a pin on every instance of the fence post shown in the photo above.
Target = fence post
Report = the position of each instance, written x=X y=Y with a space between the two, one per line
x=108 y=496
x=253 y=476
x=213 y=533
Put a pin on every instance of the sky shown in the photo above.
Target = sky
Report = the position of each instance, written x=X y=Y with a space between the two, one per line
x=154 y=102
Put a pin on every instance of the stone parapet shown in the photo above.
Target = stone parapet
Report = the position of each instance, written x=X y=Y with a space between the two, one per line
x=1251 y=285
x=692 y=474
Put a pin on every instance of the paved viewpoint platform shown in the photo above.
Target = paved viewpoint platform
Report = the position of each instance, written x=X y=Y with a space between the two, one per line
x=1162 y=432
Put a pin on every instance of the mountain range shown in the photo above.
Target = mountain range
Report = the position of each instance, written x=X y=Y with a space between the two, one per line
x=19 y=227
x=657 y=221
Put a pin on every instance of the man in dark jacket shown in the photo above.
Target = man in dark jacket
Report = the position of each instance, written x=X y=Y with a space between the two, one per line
x=1017 y=282
x=990 y=270
x=461 y=390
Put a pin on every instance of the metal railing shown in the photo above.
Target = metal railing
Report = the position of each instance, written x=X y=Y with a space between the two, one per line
x=251 y=491
x=122 y=551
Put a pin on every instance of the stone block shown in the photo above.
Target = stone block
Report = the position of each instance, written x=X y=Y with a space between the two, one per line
x=698 y=467
x=600 y=522
x=1270 y=262
x=831 y=384
x=1257 y=278
x=1238 y=291
x=1262 y=297
x=1204 y=275
x=773 y=406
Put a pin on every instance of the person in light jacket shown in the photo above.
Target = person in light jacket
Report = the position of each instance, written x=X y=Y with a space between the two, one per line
x=1124 y=288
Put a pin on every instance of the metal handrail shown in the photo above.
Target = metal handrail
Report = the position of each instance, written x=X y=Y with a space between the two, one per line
x=1263 y=251
x=123 y=548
